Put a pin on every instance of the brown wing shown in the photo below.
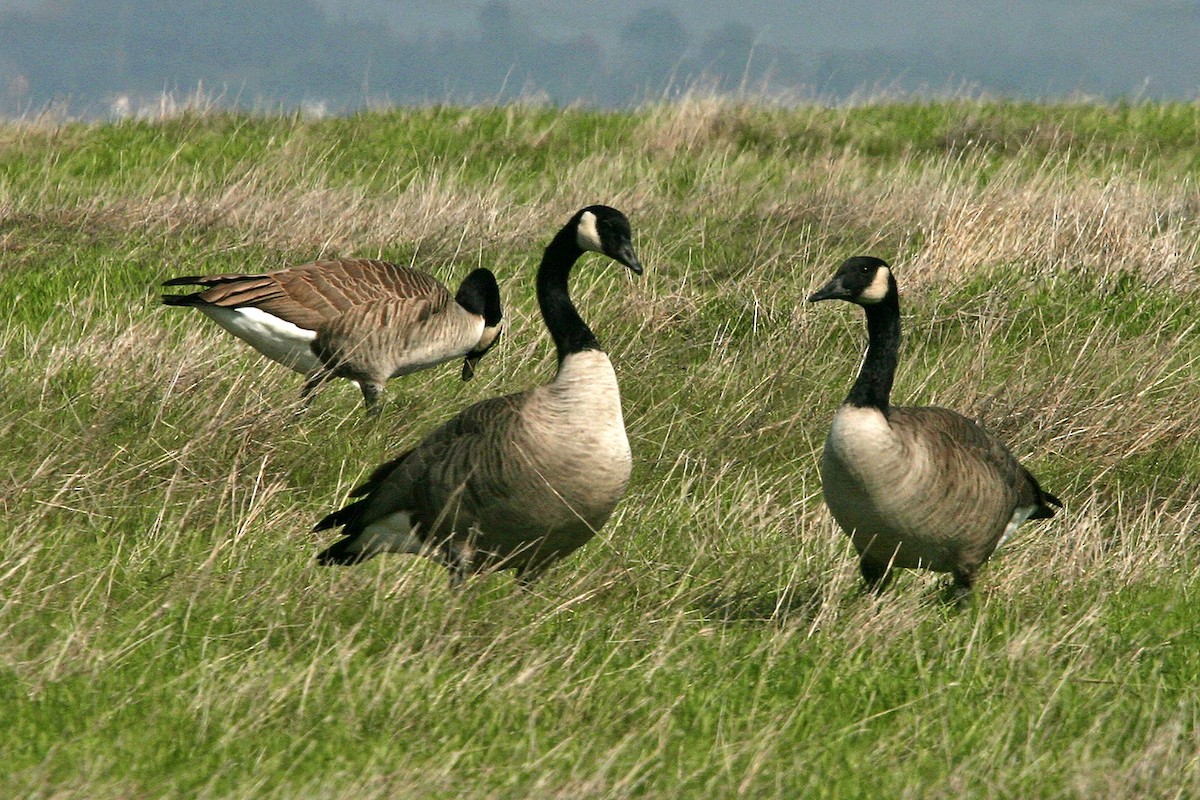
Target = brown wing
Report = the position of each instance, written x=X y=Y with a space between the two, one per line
x=959 y=434
x=459 y=460
x=311 y=295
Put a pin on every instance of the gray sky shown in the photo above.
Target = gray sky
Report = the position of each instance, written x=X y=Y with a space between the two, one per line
x=91 y=55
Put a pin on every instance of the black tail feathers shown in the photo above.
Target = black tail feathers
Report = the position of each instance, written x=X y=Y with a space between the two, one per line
x=340 y=554
x=1045 y=503
x=346 y=516
x=188 y=280
x=378 y=475
x=182 y=299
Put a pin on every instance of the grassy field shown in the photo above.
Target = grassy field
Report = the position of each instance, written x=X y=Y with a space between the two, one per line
x=165 y=631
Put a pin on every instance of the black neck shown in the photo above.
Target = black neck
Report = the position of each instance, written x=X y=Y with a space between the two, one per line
x=874 y=383
x=571 y=334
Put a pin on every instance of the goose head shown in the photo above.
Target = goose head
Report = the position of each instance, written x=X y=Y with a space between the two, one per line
x=603 y=229
x=864 y=280
x=480 y=294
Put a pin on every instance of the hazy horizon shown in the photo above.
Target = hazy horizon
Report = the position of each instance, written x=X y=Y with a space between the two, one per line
x=114 y=57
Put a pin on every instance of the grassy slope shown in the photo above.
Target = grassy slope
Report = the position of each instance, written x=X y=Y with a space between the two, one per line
x=163 y=629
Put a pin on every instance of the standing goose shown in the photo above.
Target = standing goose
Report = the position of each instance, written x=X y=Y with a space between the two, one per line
x=518 y=481
x=914 y=486
x=353 y=318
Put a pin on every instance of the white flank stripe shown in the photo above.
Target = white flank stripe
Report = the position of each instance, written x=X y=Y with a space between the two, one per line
x=276 y=338
x=392 y=534
x=1018 y=518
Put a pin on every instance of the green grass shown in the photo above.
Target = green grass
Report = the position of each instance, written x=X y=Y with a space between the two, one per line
x=164 y=630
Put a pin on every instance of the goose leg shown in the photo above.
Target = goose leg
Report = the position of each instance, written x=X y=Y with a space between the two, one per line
x=370 y=393
x=876 y=576
x=316 y=379
x=960 y=590
x=457 y=559
x=526 y=576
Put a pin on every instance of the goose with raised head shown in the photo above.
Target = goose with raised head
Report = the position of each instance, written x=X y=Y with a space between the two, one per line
x=514 y=482
x=914 y=486
x=360 y=319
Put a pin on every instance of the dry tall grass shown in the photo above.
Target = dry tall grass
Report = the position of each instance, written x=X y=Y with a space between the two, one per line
x=163 y=628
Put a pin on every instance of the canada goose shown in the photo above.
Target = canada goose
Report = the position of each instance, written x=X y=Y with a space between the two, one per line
x=518 y=481
x=914 y=487
x=353 y=318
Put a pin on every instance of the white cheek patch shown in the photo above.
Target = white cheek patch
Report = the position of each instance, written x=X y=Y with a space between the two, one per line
x=587 y=236
x=489 y=335
x=878 y=288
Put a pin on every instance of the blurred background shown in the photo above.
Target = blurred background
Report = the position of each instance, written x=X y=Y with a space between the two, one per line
x=114 y=58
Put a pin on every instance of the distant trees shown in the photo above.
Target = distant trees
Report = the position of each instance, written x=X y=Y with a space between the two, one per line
x=96 y=56
x=102 y=56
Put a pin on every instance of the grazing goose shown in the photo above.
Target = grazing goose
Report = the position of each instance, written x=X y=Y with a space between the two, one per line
x=518 y=481
x=914 y=487
x=353 y=318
